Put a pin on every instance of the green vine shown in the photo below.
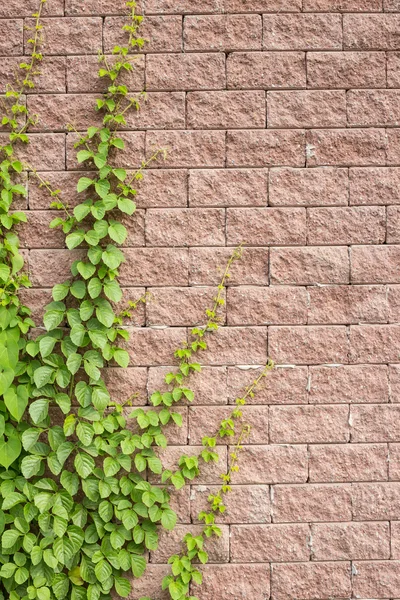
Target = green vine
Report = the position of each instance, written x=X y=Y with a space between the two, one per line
x=77 y=512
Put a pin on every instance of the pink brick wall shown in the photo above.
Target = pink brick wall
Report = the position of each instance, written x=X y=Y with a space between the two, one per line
x=281 y=121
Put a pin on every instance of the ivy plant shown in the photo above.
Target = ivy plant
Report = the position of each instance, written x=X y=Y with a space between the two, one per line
x=77 y=512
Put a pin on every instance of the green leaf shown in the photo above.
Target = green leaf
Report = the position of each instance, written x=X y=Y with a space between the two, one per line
x=94 y=287
x=46 y=345
x=81 y=211
x=78 y=289
x=126 y=206
x=119 y=143
x=74 y=362
x=30 y=437
x=52 y=319
x=120 y=174
x=83 y=155
x=103 y=570
x=121 y=357
x=105 y=313
x=84 y=464
x=112 y=290
x=60 y=291
x=168 y=519
x=39 y=410
x=75 y=239
x=111 y=466
x=122 y=586
x=42 y=376
x=9 y=538
x=70 y=481
x=102 y=187
x=63 y=550
x=16 y=401
x=117 y=232
x=84 y=183
x=138 y=565
x=85 y=269
x=30 y=466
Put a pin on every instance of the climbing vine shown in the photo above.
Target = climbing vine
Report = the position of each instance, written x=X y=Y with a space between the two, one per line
x=77 y=511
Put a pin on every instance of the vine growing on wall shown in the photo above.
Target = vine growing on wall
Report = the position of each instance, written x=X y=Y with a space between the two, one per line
x=77 y=511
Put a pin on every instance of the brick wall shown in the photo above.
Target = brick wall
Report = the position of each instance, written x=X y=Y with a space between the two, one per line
x=281 y=121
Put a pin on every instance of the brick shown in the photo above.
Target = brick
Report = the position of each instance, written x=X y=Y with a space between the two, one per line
x=133 y=294
x=308 y=187
x=391 y=5
x=393 y=222
x=272 y=464
x=394 y=304
x=180 y=306
x=374 y=423
x=309 y=424
x=342 y=5
x=347 y=304
x=82 y=74
x=127 y=383
x=374 y=343
x=51 y=79
x=263 y=70
x=36 y=232
x=170 y=542
x=209 y=472
x=308 y=345
x=161 y=188
x=225 y=33
x=204 y=420
x=48 y=267
x=207 y=266
x=15 y=8
x=308 y=581
x=393 y=69
x=70 y=35
x=302 y=32
x=282 y=385
x=376 y=501
x=350 y=225
x=395 y=541
x=150 y=347
x=266 y=305
x=266 y=226
x=185 y=71
x=228 y=187
x=346 y=147
x=155 y=266
x=394 y=462
x=373 y=108
x=333 y=463
x=204 y=393
x=393 y=147
x=189 y=148
x=374 y=185
x=163 y=34
x=346 y=69
x=262 y=5
x=45 y=150
x=311 y=503
x=36 y=300
x=182 y=6
x=245 y=503
x=185 y=227
x=265 y=148
x=95 y=7
x=254 y=583
x=371 y=32
x=272 y=543
x=375 y=264
x=350 y=541
x=320 y=108
x=308 y=266
x=160 y=110
x=11 y=37
x=150 y=582
x=394 y=378
x=379 y=579
x=226 y=110
x=353 y=383
x=230 y=344
x=130 y=157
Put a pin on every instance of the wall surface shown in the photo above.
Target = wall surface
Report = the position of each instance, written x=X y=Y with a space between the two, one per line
x=281 y=121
